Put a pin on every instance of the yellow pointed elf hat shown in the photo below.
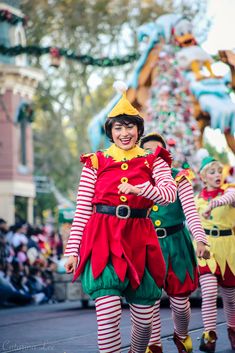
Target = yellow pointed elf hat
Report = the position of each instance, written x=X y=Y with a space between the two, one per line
x=123 y=106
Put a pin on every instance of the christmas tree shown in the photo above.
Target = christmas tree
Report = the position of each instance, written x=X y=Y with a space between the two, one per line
x=170 y=108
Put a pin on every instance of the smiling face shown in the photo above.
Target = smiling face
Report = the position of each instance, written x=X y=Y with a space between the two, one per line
x=124 y=136
x=212 y=176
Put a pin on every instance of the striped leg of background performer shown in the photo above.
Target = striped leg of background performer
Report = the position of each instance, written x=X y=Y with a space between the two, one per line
x=209 y=287
x=108 y=312
x=141 y=317
x=228 y=295
x=156 y=326
x=181 y=312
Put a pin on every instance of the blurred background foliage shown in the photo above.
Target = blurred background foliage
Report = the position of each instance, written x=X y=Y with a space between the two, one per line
x=72 y=94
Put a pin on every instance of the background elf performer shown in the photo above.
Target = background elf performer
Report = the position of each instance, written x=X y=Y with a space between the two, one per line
x=178 y=251
x=113 y=245
x=216 y=206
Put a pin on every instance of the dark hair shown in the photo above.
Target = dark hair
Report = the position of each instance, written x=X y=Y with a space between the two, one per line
x=152 y=137
x=124 y=119
x=19 y=225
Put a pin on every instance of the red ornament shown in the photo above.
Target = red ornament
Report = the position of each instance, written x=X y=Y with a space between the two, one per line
x=55 y=57
x=8 y=15
x=171 y=142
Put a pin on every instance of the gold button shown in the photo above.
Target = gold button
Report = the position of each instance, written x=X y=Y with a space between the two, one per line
x=155 y=208
x=124 y=166
x=158 y=222
x=123 y=198
x=124 y=180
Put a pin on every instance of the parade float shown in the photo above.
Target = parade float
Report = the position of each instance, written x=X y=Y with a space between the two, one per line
x=176 y=91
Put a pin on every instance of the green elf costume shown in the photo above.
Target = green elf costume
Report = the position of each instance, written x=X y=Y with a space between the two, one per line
x=179 y=254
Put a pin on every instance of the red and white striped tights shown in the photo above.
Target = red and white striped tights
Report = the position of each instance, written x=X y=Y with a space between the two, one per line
x=181 y=315
x=108 y=311
x=209 y=287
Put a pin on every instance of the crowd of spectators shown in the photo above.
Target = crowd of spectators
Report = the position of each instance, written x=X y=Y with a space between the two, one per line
x=28 y=258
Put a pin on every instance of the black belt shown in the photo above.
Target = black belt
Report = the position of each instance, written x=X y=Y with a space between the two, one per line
x=217 y=232
x=122 y=211
x=164 y=232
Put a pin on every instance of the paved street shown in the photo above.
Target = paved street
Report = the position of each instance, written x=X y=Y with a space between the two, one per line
x=66 y=328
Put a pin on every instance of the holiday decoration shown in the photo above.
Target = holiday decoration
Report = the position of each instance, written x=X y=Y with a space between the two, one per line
x=169 y=89
x=55 y=57
x=190 y=55
x=6 y=15
x=68 y=54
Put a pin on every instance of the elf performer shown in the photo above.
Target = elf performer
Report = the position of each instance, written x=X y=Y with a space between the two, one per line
x=113 y=245
x=216 y=207
x=178 y=251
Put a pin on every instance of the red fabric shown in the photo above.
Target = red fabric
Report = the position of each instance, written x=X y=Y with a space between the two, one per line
x=164 y=154
x=175 y=288
x=130 y=244
x=86 y=158
x=228 y=280
x=208 y=195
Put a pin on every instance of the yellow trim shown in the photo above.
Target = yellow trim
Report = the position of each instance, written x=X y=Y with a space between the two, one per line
x=124 y=166
x=148 y=350
x=123 y=198
x=186 y=173
x=210 y=262
x=158 y=222
x=124 y=180
x=93 y=158
x=94 y=161
x=222 y=248
x=120 y=155
x=226 y=186
x=188 y=344
x=222 y=252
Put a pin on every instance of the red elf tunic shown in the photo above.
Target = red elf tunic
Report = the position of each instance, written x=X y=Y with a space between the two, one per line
x=129 y=244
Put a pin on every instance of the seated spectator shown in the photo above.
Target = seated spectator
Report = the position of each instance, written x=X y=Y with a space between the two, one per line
x=9 y=294
x=4 y=247
x=21 y=254
x=36 y=284
x=19 y=236
x=26 y=274
x=3 y=227
x=32 y=239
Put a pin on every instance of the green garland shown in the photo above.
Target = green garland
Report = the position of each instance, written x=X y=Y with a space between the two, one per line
x=69 y=54
x=7 y=16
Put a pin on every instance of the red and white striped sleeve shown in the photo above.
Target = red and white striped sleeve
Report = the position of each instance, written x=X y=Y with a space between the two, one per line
x=83 y=212
x=228 y=198
x=186 y=195
x=164 y=191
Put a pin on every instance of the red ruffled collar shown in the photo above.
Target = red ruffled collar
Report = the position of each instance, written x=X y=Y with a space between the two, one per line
x=208 y=195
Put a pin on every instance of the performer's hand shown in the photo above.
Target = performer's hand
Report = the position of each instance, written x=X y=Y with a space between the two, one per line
x=126 y=188
x=202 y=251
x=71 y=264
x=206 y=214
